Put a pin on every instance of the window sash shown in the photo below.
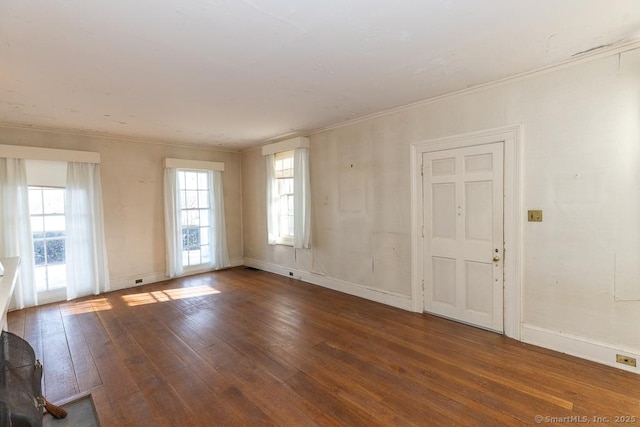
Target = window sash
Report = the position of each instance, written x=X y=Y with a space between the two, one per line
x=47 y=236
x=284 y=198
x=195 y=211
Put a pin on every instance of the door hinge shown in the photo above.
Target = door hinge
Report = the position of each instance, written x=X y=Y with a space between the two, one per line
x=423 y=231
x=422 y=169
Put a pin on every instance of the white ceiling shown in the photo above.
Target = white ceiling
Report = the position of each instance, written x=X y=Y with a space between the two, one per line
x=235 y=73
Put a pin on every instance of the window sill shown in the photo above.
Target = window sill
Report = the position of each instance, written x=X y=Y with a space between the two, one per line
x=284 y=242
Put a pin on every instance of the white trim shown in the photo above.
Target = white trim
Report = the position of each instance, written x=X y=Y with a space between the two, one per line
x=236 y=262
x=118 y=137
x=593 y=55
x=192 y=164
x=50 y=154
x=286 y=145
x=512 y=138
x=578 y=346
x=384 y=297
x=130 y=281
x=159 y=276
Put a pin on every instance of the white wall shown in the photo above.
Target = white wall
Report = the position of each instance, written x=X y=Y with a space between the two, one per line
x=581 y=166
x=132 y=192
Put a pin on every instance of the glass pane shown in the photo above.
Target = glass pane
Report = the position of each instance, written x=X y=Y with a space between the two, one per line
x=35 y=201
x=285 y=186
x=183 y=199
x=204 y=235
x=194 y=257
x=55 y=251
x=284 y=224
x=38 y=252
x=203 y=181
x=37 y=224
x=282 y=205
x=284 y=165
x=291 y=226
x=192 y=200
x=184 y=218
x=191 y=180
x=54 y=223
x=57 y=275
x=204 y=218
x=41 y=278
x=203 y=199
x=193 y=218
x=181 y=180
x=205 y=253
x=185 y=258
x=190 y=238
x=53 y=200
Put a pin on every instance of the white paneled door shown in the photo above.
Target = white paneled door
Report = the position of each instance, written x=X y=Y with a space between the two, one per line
x=463 y=234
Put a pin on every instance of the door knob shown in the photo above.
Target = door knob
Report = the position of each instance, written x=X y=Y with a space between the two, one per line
x=496 y=258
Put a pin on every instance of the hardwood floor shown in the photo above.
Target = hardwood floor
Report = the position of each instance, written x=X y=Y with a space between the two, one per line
x=245 y=347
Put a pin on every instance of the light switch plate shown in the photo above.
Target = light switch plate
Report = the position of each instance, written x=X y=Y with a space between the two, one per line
x=534 y=216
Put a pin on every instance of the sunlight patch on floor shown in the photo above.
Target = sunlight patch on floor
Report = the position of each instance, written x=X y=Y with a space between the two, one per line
x=168 y=295
x=88 y=306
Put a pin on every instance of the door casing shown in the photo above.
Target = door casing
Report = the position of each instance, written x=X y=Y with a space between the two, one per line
x=511 y=137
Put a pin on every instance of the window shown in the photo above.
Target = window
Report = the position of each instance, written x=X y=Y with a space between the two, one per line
x=46 y=208
x=195 y=207
x=283 y=173
x=288 y=193
x=194 y=221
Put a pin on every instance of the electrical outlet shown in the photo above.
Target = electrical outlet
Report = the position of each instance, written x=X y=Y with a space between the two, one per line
x=138 y=281
x=626 y=360
x=534 y=216
x=291 y=273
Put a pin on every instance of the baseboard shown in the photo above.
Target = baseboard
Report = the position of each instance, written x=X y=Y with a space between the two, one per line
x=578 y=346
x=384 y=297
x=130 y=281
x=236 y=262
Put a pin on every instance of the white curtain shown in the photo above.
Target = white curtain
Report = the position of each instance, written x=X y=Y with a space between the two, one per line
x=15 y=228
x=172 y=229
x=301 y=199
x=86 y=254
x=220 y=255
x=272 y=201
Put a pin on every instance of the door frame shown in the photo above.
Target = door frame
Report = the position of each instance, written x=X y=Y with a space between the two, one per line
x=511 y=136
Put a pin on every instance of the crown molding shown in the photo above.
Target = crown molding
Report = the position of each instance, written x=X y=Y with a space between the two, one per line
x=114 y=137
x=576 y=59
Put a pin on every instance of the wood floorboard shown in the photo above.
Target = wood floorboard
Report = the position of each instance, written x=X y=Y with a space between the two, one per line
x=246 y=347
